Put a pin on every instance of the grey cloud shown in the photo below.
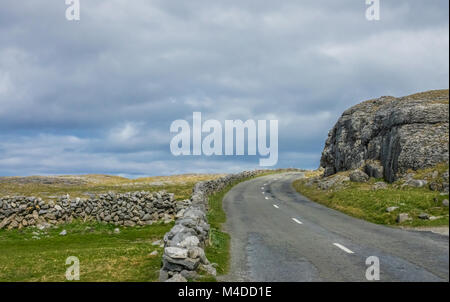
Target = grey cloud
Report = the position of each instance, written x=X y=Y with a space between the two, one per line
x=147 y=63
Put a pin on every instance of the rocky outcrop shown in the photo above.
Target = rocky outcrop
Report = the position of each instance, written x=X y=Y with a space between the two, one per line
x=388 y=136
x=129 y=209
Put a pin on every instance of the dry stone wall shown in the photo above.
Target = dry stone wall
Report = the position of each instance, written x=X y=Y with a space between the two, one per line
x=128 y=209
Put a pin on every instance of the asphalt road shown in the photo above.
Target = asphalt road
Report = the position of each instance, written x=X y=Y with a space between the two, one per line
x=279 y=235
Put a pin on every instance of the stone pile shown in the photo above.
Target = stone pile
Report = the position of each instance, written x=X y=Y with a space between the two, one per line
x=128 y=209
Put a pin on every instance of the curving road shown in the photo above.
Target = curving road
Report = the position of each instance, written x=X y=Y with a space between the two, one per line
x=279 y=235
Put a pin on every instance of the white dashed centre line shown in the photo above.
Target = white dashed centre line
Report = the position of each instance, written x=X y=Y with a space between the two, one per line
x=267 y=197
x=263 y=192
x=343 y=248
x=296 y=220
x=277 y=207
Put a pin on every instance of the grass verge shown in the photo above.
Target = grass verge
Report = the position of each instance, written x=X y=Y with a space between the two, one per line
x=104 y=255
x=360 y=200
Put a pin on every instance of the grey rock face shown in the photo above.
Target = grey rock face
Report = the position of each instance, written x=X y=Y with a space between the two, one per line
x=445 y=184
x=416 y=183
x=374 y=169
x=400 y=133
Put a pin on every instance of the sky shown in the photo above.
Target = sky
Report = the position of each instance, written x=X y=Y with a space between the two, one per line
x=98 y=95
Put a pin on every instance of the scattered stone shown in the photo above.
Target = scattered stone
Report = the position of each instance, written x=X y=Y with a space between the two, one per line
x=42 y=226
x=445 y=202
x=391 y=209
x=116 y=231
x=424 y=216
x=434 y=217
x=402 y=217
x=358 y=176
x=63 y=233
x=153 y=254
x=157 y=242
x=327 y=183
x=380 y=185
x=177 y=278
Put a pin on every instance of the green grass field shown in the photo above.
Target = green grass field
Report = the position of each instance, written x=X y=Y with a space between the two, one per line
x=104 y=255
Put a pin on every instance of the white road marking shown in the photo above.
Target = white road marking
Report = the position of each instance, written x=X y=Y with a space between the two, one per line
x=277 y=207
x=298 y=221
x=262 y=188
x=343 y=248
x=263 y=192
x=267 y=197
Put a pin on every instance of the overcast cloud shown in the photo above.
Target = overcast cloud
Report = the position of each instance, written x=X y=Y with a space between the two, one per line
x=99 y=95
